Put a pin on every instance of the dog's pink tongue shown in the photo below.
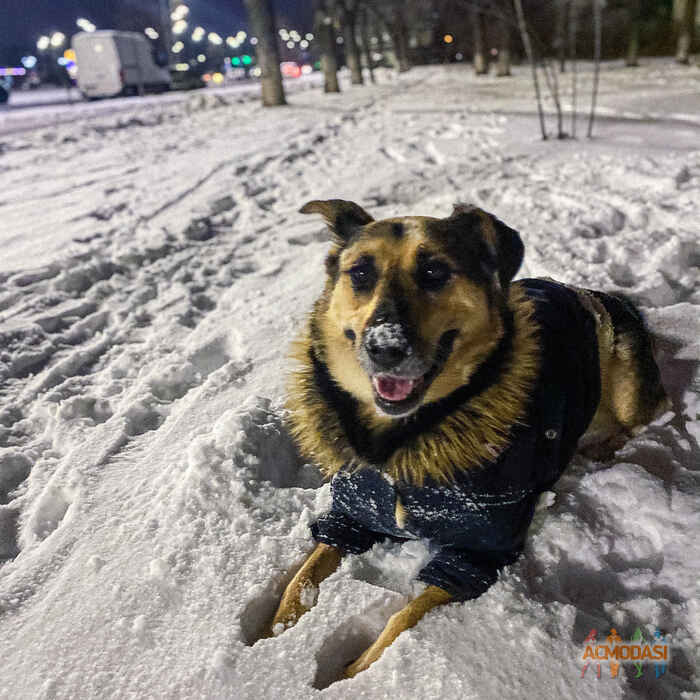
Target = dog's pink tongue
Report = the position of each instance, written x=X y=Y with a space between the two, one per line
x=394 y=388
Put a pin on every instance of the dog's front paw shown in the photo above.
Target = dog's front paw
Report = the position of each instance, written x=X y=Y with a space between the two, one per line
x=298 y=599
x=363 y=662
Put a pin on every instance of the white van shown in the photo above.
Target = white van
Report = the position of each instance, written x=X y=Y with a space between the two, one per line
x=112 y=63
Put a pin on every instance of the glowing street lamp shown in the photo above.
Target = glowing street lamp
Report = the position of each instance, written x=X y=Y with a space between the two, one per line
x=179 y=27
x=241 y=36
x=57 y=39
x=43 y=43
x=254 y=40
x=180 y=12
x=178 y=46
x=85 y=24
x=151 y=33
x=215 y=39
x=198 y=33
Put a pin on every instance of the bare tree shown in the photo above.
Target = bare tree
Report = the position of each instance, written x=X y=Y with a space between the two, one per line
x=552 y=81
x=392 y=15
x=527 y=44
x=560 y=34
x=481 y=66
x=634 y=8
x=323 y=22
x=573 y=36
x=262 y=21
x=684 y=23
x=364 y=36
x=503 y=29
x=348 y=15
x=597 y=37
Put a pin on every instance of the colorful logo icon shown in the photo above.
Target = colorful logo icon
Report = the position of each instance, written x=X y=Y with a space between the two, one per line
x=615 y=651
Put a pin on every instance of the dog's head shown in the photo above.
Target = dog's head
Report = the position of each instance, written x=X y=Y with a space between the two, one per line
x=413 y=304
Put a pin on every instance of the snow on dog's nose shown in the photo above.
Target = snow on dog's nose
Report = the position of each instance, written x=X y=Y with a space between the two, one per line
x=387 y=345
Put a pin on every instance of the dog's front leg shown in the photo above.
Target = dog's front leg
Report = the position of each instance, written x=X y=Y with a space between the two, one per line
x=300 y=594
x=431 y=597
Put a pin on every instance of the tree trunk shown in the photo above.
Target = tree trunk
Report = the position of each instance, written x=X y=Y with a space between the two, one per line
x=525 y=36
x=262 y=22
x=396 y=26
x=366 y=47
x=632 y=57
x=573 y=33
x=400 y=38
x=560 y=38
x=323 y=22
x=481 y=66
x=348 y=22
x=684 y=21
x=503 y=65
x=597 y=36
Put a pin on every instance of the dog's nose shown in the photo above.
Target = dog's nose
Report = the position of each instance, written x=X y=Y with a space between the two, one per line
x=387 y=345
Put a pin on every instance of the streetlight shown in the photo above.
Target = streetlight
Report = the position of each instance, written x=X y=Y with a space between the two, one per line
x=179 y=27
x=215 y=39
x=43 y=43
x=178 y=46
x=180 y=12
x=57 y=39
x=151 y=33
x=198 y=34
x=85 y=24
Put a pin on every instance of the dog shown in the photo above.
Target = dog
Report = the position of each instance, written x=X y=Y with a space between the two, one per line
x=443 y=398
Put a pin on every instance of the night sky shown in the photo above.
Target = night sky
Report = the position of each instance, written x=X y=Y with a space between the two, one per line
x=21 y=23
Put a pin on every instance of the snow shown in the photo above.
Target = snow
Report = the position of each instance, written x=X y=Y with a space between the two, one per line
x=152 y=508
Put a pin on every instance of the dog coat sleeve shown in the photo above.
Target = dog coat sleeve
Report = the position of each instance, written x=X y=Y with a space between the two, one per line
x=465 y=574
x=341 y=531
x=361 y=514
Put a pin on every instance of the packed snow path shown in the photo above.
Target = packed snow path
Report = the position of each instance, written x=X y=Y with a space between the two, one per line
x=153 y=273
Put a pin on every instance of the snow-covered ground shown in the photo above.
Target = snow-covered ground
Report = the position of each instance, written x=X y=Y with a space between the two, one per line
x=153 y=272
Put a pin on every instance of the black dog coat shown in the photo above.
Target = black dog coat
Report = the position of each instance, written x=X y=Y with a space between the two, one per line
x=477 y=524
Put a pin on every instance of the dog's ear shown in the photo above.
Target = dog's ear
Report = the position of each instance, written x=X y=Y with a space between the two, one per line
x=505 y=242
x=343 y=218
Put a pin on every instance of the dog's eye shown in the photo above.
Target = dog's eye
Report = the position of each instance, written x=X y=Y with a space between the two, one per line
x=363 y=275
x=433 y=275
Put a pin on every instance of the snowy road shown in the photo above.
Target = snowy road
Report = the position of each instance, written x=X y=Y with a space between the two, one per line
x=154 y=271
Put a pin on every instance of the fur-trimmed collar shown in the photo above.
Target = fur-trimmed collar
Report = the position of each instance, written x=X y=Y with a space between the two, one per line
x=467 y=429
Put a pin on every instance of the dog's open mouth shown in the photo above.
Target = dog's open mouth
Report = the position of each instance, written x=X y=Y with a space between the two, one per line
x=397 y=395
x=395 y=388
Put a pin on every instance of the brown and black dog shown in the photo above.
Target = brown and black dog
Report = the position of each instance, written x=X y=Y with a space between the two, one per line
x=421 y=361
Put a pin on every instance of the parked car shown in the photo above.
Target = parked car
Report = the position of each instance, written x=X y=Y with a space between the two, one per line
x=112 y=63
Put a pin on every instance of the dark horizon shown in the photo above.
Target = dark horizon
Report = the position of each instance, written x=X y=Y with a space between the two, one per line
x=20 y=28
